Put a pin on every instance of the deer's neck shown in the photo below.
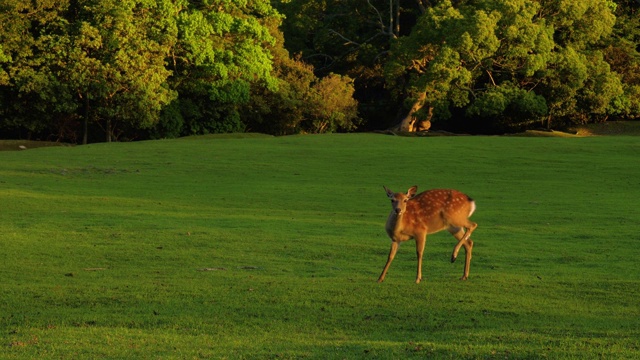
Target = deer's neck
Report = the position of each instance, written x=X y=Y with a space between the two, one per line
x=397 y=229
x=394 y=221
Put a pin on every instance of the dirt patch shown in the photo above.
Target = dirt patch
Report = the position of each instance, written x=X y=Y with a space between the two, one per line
x=609 y=128
x=545 y=133
x=17 y=145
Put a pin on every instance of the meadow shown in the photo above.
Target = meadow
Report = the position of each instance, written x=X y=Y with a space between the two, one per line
x=257 y=247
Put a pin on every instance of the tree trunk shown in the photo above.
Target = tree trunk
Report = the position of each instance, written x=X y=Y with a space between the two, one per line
x=85 y=121
x=549 y=122
x=408 y=123
x=391 y=19
x=397 y=20
x=109 y=130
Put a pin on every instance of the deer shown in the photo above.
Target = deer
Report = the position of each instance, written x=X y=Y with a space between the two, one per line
x=416 y=216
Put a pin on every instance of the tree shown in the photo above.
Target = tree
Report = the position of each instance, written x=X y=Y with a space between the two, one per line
x=622 y=52
x=116 y=60
x=221 y=53
x=31 y=97
x=105 y=57
x=331 y=105
x=351 y=38
x=506 y=62
x=302 y=102
x=578 y=84
x=456 y=55
x=175 y=67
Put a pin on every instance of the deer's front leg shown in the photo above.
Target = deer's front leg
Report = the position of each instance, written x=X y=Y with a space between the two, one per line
x=392 y=254
x=420 y=242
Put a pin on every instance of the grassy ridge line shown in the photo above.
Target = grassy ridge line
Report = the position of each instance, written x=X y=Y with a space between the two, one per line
x=295 y=226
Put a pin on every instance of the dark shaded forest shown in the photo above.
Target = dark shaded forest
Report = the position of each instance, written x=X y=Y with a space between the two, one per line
x=84 y=71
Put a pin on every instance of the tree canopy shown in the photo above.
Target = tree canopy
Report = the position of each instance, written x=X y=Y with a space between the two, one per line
x=99 y=70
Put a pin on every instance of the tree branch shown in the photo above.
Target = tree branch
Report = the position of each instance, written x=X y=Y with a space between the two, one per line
x=491 y=77
x=380 y=22
x=348 y=41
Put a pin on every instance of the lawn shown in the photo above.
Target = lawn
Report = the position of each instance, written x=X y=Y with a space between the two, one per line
x=270 y=247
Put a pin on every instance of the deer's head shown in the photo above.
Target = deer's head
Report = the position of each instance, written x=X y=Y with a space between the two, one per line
x=399 y=200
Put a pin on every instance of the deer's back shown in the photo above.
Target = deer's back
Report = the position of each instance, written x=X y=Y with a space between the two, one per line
x=432 y=209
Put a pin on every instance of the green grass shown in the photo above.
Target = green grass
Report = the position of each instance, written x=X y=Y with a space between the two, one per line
x=270 y=247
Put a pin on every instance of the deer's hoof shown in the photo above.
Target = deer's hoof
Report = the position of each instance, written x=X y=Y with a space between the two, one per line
x=453 y=258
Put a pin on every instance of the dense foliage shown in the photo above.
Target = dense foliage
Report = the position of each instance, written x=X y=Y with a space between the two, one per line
x=92 y=70
x=484 y=66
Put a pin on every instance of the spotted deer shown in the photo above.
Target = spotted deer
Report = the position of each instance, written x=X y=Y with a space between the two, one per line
x=415 y=216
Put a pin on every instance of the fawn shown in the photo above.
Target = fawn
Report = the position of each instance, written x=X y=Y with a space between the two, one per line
x=415 y=216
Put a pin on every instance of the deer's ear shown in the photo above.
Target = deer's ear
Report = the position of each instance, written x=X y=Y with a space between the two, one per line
x=389 y=192
x=412 y=191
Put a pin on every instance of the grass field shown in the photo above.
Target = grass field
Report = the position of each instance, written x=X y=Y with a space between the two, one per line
x=266 y=247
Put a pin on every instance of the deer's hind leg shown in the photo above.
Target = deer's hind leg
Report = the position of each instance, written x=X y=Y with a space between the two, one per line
x=463 y=240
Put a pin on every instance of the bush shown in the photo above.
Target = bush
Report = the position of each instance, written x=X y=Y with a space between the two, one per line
x=507 y=105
